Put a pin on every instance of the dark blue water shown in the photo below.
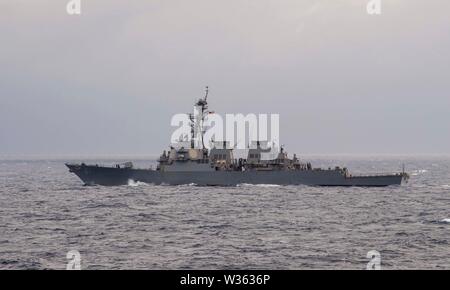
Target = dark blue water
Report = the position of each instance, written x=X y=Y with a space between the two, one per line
x=45 y=212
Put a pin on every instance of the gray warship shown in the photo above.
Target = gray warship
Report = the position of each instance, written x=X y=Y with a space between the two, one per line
x=217 y=166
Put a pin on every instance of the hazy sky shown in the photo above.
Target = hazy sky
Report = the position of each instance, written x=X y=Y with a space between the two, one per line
x=109 y=80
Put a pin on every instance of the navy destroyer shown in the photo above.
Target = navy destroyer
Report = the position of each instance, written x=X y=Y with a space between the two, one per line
x=217 y=166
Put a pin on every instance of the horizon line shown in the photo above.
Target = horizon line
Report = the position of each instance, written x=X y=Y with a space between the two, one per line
x=12 y=157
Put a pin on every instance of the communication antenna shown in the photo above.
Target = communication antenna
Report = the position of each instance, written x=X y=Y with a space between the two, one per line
x=191 y=117
x=204 y=108
x=203 y=104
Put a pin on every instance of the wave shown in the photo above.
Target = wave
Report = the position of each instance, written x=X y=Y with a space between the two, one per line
x=257 y=185
x=445 y=221
x=133 y=183
x=418 y=172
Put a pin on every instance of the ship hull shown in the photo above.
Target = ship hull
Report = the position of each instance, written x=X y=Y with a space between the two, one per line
x=110 y=176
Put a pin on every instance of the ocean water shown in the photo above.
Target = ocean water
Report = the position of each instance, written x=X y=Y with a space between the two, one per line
x=46 y=211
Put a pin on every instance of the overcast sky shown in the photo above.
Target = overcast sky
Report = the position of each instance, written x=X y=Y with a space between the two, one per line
x=109 y=80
